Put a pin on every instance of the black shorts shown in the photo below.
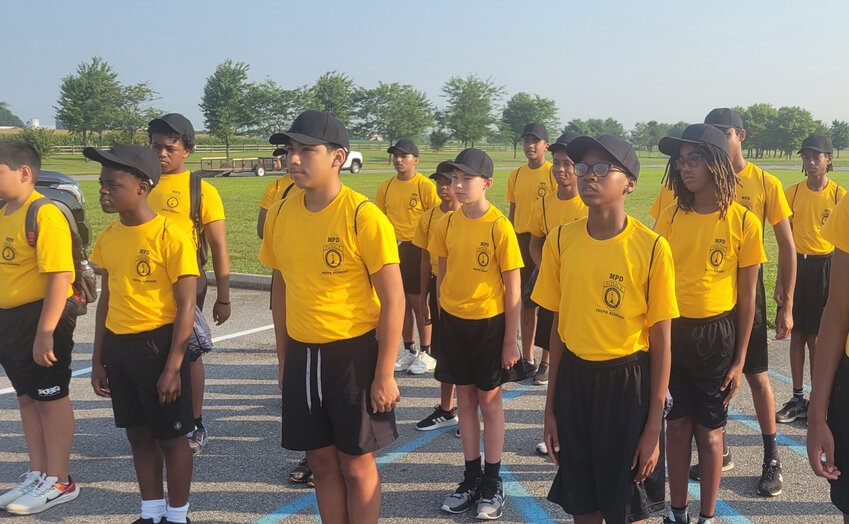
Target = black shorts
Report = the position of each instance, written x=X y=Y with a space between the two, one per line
x=811 y=294
x=545 y=319
x=470 y=351
x=411 y=267
x=838 y=422
x=528 y=269
x=702 y=353
x=757 y=354
x=326 y=401
x=601 y=409
x=18 y=326
x=434 y=317
x=134 y=362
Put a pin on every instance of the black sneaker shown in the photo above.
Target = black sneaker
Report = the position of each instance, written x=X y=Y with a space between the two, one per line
x=795 y=408
x=301 y=473
x=541 y=377
x=727 y=465
x=529 y=369
x=467 y=493
x=771 y=482
x=491 y=503
x=145 y=521
x=669 y=520
x=438 y=419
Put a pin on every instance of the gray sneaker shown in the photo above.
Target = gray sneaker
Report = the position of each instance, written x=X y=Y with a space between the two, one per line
x=467 y=493
x=491 y=503
x=772 y=481
x=541 y=377
x=795 y=408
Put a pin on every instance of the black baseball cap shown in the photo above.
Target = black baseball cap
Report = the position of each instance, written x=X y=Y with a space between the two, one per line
x=172 y=122
x=443 y=169
x=313 y=128
x=474 y=162
x=562 y=141
x=536 y=129
x=408 y=147
x=616 y=147
x=724 y=118
x=818 y=143
x=694 y=134
x=280 y=151
x=138 y=158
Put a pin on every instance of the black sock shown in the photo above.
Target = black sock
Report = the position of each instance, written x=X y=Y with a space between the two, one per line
x=408 y=346
x=724 y=442
x=199 y=422
x=474 y=466
x=770 y=448
x=704 y=519
x=679 y=514
x=798 y=393
x=426 y=348
x=491 y=470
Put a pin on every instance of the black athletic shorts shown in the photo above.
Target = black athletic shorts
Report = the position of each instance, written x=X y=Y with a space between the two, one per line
x=528 y=269
x=18 y=326
x=326 y=390
x=410 y=256
x=702 y=353
x=757 y=354
x=470 y=351
x=134 y=362
x=838 y=422
x=811 y=294
x=433 y=305
x=545 y=319
x=601 y=409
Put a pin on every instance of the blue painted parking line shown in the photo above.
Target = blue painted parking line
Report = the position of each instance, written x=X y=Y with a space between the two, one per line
x=786 y=379
x=520 y=499
x=723 y=509
x=750 y=422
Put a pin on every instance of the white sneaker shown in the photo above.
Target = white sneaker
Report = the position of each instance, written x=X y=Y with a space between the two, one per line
x=48 y=493
x=405 y=359
x=26 y=483
x=423 y=364
x=542 y=449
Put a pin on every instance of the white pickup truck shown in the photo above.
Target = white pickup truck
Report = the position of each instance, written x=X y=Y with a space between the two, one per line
x=354 y=162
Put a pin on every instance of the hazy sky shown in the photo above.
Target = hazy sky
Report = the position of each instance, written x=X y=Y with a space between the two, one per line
x=634 y=61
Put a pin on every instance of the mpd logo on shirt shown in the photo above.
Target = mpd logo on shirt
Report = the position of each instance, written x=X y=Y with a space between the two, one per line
x=717 y=253
x=746 y=201
x=414 y=200
x=172 y=202
x=542 y=189
x=143 y=266
x=483 y=254
x=332 y=255
x=612 y=294
x=824 y=216
x=8 y=251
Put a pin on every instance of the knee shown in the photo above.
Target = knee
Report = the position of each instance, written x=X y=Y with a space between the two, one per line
x=139 y=436
x=758 y=383
x=678 y=432
x=357 y=469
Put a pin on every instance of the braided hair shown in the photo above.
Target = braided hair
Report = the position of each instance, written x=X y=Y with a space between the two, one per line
x=718 y=165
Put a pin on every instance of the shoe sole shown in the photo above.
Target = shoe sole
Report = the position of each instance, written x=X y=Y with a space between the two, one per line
x=540 y=382
x=444 y=424
x=489 y=516
x=294 y=480
x=725 y=467
x=446 y=509
x=789 y=420
x=53 y=503
x=768 y=494
x=411 y=372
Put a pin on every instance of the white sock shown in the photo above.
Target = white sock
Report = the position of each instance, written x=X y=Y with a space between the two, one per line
x=153 y=509
x=177 y=514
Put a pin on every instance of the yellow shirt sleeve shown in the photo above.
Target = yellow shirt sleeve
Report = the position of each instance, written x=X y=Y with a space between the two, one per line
x=511 y=186
x=507 y=246
x=662 y=303
x=211 y=206
x=751 y=248
x=380 y=197
x=536 y=226
x=430 y=198
x=546 y=291
x=53 y=246
x=836 y=228
x=268 y=195
x=376 y=238
x=655 y=209
x=777 y=207
x=420 y=236
x=266 y=250
x=436 y=245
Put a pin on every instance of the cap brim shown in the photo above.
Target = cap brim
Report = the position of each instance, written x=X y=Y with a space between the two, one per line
x=280 y=151
x=287 y=138
x=165 y=123
x=392 y=150
x=438 y=174
x=536 y=135
x=466 y=169
x=106 y=157
x=578 y=147
x=818 y=150
x=556 y=147
x=670 y=145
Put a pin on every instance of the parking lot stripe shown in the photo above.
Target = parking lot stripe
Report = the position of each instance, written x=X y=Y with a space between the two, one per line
x=750 y=422
x=786 y=379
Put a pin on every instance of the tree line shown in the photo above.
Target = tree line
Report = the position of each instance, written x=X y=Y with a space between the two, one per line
x=93 y=102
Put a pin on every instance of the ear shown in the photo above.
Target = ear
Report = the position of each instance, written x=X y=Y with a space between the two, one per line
x=631 y=185
x=26 y=174
x=338 y=158
x=487 y=183
x=545 y=148
x=741 y=134
x=416 y=160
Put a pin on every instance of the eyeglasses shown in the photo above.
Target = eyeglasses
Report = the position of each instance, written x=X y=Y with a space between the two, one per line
x=692 y=160
x=601 y=169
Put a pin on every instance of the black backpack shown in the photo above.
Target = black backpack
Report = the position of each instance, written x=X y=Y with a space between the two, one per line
x=85 y=281
x=195 y=195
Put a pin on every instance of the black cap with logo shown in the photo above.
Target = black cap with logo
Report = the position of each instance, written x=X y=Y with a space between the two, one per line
x=313 y=128
x=563 y=141
x=536 y=129
x=407 y=147
x=131 y=157
x=818 y=143
x=694 y=134
x=171 y=123
x=443 y=169
x=474 y=162
x=619 y=149
x=724 y=118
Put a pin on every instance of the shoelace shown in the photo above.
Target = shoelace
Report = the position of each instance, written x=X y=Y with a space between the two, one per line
x=770 y=471
x=42 y=488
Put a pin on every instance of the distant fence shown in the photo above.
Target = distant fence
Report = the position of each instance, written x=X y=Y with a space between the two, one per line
x=357 y=146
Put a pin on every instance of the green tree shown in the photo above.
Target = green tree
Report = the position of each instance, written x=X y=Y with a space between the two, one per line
x=438 y=139
x=470 y=107
x=226 y=102
x=332 y=92
x=89 y=98
x=523 y=109
x=648 y=134
x=596 y=127
x=394 y=111
x=839 y=135
x=793 y=125
x=273 y=108
x=676 y=129
x=759 y=122
x=134 y=111
x=7 y=118
x=39 y=138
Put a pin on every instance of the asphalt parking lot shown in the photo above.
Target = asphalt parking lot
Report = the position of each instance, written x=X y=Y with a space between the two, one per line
x=241 y=474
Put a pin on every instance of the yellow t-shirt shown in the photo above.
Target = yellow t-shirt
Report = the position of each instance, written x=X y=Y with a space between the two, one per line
x=665 y=198
x=23 y=269
x=524 y=187
x=275 y=190
x=477 y=252
x=326 y=265
x=758 y=191
x=422 y=236
x=811 y=209
x=707 y=252
x=549 y=212
x=143 y=263
x=602 y=290
x=836 y=231
x=404 y=201
x=170 y=198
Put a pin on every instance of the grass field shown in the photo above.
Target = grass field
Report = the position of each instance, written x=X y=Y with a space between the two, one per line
x=241 y=196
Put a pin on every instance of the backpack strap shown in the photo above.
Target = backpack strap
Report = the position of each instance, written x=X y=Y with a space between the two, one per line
x=31 y=219
x=195 y=194
x=286 y=193
x=651 y=262
x=544 y=220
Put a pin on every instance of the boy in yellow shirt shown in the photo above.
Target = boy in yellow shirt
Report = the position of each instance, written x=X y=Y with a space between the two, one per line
x=403 y=198
x=338 y=308
x=525 y=186
x=37 y=320
x=717 y=250
x=479 y=293
x=277 y=189
x=172 y=137
x=610 y=281
x=812 y=201
x=144 y=319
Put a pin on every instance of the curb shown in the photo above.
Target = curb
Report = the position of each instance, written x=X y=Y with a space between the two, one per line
x=244 y=281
